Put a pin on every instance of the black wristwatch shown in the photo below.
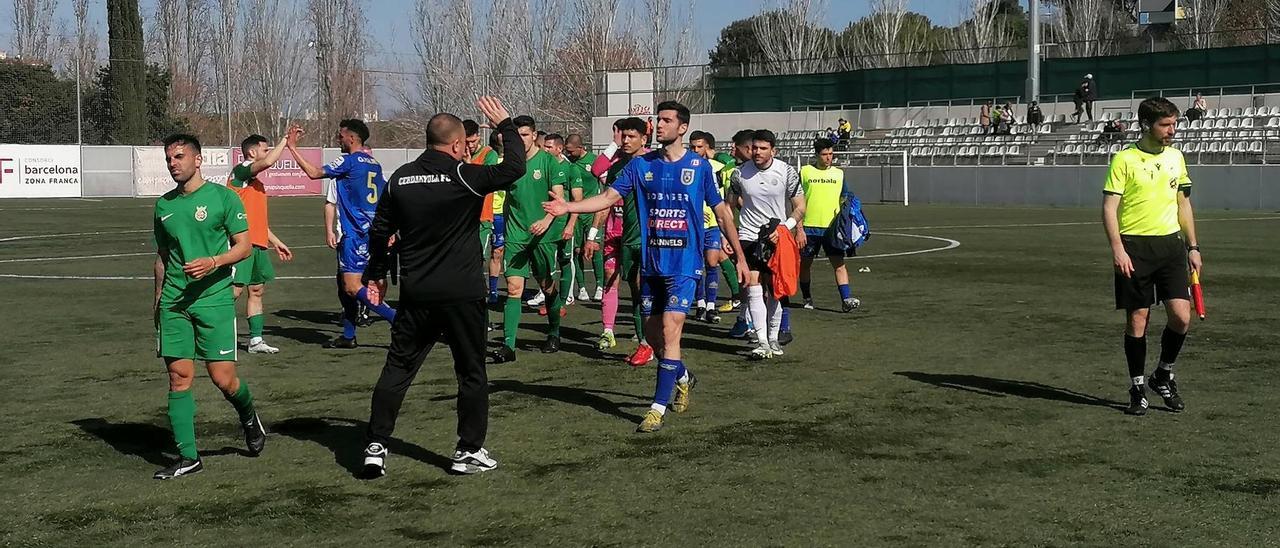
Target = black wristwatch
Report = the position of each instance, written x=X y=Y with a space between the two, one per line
x=1191 y=248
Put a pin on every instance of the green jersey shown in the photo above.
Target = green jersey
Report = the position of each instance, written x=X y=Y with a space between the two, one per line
x=630 y=211
x=523 y=204
x=193 y=226
x=580 y=177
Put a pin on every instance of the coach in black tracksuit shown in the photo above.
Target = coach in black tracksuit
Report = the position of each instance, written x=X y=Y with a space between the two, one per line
x=433 y=203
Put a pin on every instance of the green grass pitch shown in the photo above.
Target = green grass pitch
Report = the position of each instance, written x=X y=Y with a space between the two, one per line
x=974 y=400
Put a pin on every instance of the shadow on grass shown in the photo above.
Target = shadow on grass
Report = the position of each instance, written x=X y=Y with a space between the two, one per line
x=1000 y=388
x=345 y=438
x=304 y=335
x=320 y=317
x=151 y=443
x=584 y=397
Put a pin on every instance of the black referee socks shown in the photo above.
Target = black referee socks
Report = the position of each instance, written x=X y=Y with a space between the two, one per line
x=1170 y=345
x=1135 y=352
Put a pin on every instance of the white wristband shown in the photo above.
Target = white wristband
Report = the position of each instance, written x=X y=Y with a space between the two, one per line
x=790 y=222
x=591 y=234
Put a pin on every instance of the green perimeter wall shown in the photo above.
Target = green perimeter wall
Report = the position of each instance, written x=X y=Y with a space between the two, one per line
x=895 y=87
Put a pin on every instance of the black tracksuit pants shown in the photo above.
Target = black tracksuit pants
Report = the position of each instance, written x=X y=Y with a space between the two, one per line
x=415 y=331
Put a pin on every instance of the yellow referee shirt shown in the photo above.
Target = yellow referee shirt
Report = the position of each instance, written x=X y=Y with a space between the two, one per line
x=1148 y=186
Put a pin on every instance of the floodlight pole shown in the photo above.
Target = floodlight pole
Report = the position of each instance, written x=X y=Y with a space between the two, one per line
x=1033 y=53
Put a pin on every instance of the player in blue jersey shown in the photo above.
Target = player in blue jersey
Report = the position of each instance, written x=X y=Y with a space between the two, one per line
x=671 y=186
x=352 y=198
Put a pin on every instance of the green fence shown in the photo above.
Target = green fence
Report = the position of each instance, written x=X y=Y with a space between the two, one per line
x=1116 y=77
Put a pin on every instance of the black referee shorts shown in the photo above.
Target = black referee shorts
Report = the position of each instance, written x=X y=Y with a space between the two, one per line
x=1159 y=272
x=752 y=249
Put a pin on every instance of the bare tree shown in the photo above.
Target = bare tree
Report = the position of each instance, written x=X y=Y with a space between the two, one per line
x=223 y=22
x=33 y=30
x=86 y=46
x=883 y=38
x=1084 y=28
x=792 y=36
x=340 y=54
x=179 y=38
x=273 y=59
x=1198 y=30
x=980 y=37
x=1273 y=20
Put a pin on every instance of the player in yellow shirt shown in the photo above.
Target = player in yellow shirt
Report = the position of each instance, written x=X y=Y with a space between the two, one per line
x=1146 y=209
x=823 y=183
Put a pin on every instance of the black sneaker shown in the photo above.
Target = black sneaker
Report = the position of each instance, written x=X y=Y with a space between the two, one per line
x=785 y=338
x=375 y=461
x=255 y=435
x=502 y=355
x=342 y=342
x=711 y=316
x=183 y=467
x=1168 y=390
x=551 y=346
x=1137 y=401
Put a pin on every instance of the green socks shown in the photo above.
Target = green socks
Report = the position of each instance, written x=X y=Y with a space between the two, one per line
x=553 y=312
x=597 y=264
x=182 y=418
x=255 y=326
x=510 y=321
x=242 y=400
x=636 y=316
x=730 y=276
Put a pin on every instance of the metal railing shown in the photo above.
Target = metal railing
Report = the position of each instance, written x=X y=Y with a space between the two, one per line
x=1252 y=90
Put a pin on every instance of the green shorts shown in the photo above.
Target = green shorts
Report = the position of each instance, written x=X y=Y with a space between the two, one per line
x=255 y=269
x=486 y=233
x=631 y=257
x=203 y=333
x=540 y=261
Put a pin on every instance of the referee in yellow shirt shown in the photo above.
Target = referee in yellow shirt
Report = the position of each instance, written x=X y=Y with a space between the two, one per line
x=1146 y=209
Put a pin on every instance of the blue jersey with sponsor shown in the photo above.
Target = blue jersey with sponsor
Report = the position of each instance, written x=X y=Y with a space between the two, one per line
x=357 y=185
x=669 y=199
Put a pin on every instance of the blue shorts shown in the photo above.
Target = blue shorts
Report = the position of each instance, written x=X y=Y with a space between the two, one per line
x=816 y=238
x=499 y=231
x=353 y=255
x=659 y=294
x=711 y=240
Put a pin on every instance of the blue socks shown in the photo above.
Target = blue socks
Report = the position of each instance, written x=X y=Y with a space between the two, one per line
x=806 y=289
x=786 y=318
x=669 y=371
x=844 y=291
x=348 y=329
x=383 y=310
x=493 y=285
x=712 y=285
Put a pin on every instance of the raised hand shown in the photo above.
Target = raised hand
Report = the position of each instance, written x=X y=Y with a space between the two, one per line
x=492 y=109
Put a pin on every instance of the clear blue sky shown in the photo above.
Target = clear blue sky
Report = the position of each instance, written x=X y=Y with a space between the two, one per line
x=389 y=17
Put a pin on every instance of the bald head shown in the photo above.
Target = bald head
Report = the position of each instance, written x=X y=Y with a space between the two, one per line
x=444 y=129
x=446 y=134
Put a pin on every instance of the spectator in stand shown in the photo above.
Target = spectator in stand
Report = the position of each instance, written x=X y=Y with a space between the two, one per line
x=1197 y=109
x=1009 y=118
x=984 y=117
x=1090 y=94
x=1112 y=132
x=1034 y=116
x=998 y=123
x=844 y=130
x=831 y=134
x=1078 y=99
